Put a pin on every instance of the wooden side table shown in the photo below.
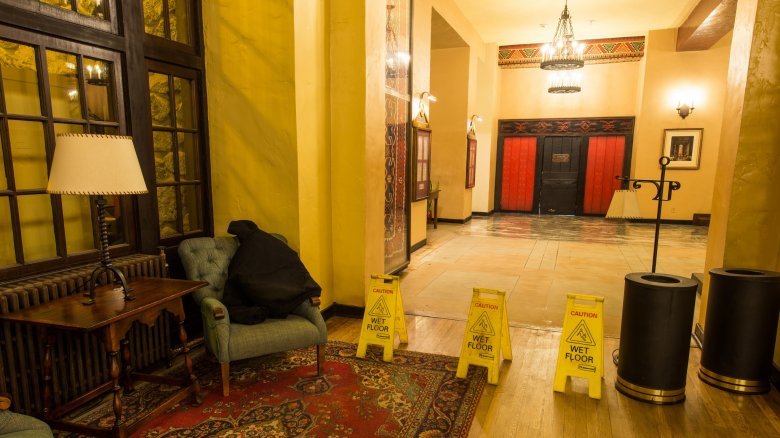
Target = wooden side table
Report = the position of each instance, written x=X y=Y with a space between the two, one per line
x=110 y=318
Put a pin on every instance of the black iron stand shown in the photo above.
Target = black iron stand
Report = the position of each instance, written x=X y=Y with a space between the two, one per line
x=113 y=275
x=659 y=196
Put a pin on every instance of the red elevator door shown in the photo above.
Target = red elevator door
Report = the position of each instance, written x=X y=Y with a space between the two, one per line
x=605 y=161
x=519 y=171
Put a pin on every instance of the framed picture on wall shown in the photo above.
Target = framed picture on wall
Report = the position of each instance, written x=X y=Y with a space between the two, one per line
x=471 y=160
x=421 y=162
x=683 y=147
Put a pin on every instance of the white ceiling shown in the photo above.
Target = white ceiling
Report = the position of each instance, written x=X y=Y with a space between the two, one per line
x=507 y=22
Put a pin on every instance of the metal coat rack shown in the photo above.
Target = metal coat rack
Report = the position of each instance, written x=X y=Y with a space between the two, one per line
x=660 y=196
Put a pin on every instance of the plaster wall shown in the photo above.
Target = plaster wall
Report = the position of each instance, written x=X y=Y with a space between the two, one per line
x=669 y=74
x=486 y=102
x=450 y=82
x=745 y=227
x=357 y=38
x=250 y=72
x=312 y=103
x=607 y=90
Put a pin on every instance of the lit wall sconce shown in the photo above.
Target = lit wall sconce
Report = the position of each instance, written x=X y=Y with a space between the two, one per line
x=474 y=118
x=685 y=108
x=421 y=121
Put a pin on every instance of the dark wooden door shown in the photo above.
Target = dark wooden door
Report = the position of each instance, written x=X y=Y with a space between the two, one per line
x=560 y=175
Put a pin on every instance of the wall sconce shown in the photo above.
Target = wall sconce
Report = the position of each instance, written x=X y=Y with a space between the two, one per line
x=421 y=120
x=684 y=109
x=474 y=118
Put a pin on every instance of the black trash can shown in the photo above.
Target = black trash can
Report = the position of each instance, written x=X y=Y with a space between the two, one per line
x=740 y=330
x=655 y=337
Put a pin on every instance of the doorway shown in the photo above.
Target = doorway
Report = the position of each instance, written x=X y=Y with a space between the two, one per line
x=561 y=166
x=560 y=175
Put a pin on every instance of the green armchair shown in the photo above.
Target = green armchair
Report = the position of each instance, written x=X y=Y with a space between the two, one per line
x=13 y=425
x=207 y=259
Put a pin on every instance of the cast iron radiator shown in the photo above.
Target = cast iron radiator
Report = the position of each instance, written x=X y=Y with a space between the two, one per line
x=80 y=362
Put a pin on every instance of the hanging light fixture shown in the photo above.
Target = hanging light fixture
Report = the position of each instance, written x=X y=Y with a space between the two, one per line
x=565 y=82
x=563 y=53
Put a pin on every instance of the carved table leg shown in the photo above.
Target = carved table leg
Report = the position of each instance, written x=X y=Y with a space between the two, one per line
x=117 y=388
x=128 y=368
x=49 y=341
x=197 y=397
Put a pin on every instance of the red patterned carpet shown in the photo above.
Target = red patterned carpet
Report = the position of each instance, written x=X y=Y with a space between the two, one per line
x=279 y=396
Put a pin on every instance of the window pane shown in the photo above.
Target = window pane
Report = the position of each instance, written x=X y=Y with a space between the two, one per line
x=3 y=176
x=179 y=19
x=37 y=227
x=184 y=105
x=98 y=129
x=190 y=200
x=159 y=99
x=115 y=220
x=188 y=156
x=20 y=78
x=154 y=21
x=7 y=255
x=64 y=85
x=166 y=210
x=93 y=8
x=28 y=152
x=77 y=216
x=64 y=4
x=100 y=102
x=163 y=156
x=69 y=128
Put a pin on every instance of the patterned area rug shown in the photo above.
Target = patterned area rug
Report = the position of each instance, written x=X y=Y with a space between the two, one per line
x=417 y=395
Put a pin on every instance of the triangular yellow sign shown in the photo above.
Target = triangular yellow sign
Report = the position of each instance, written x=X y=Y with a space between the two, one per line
x=380 y=308
x=483 y=326
x=581 y=335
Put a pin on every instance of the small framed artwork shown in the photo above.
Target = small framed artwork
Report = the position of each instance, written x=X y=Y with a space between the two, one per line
x=421 y=174
x=471 y=160
x=683 y=147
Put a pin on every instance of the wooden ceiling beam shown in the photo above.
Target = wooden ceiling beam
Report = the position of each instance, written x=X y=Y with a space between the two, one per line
x=709 y=21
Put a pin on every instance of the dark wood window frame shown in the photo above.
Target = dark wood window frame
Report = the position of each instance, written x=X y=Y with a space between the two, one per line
x=128 y=40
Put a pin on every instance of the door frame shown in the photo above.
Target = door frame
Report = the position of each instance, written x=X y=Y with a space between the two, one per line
x=584 y=127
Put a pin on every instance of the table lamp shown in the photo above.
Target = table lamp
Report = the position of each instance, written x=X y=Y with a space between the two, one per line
x=96 y=164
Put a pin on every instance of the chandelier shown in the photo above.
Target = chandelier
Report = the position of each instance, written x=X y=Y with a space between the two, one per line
x=565 y=82
x=564 y=53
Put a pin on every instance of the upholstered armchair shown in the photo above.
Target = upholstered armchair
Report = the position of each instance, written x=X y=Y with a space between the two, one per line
x=207 y=259
x=13 y=425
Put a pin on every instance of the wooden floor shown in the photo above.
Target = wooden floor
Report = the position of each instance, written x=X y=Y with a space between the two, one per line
x=523 y=403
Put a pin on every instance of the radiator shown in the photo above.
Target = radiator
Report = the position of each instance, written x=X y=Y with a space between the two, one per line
x=80 y=362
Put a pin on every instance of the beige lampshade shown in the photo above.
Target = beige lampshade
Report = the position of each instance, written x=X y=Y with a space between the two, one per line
x=624 y=205
x=95 y=164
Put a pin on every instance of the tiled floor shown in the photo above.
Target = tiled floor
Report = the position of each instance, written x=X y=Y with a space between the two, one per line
x=537 y=260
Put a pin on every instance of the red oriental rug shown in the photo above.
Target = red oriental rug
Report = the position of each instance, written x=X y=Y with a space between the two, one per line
x=279 y=396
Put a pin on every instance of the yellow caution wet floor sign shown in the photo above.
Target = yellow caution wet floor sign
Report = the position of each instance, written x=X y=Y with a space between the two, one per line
x=581 y=352
x=487 y=334
x=383 y=317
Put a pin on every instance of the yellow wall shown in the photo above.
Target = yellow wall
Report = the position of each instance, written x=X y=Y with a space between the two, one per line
x=357 y=137
x=250 y=75
x=667 y=74
x=421 y=82
x=449 y=117
x=607 y=90
x=745 y=228
x=486 y=105
x=312 y=99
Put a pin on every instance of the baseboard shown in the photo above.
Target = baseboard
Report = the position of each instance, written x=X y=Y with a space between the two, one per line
x=482 y=213
x=663 y=221
x=698 y=335
x=344 y=310
x=419 y=245
x=455 y=221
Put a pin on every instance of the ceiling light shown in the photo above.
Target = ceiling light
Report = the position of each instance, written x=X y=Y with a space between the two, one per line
x=563 y=53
